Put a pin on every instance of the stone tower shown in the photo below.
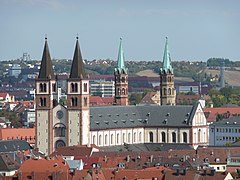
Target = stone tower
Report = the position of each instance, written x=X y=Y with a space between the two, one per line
x=167 y=89
x=46 y=100
x=121 y=79
x=78 y=111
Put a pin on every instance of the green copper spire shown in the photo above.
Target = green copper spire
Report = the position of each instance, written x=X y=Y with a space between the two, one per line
x=167 y=64
x=120 y=62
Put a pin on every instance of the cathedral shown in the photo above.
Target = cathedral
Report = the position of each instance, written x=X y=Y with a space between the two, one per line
x=79 y=124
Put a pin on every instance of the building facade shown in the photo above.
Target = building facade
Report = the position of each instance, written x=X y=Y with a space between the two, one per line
x=58 y=125
x=224 y=132
x=111 y=126
x=102 y=88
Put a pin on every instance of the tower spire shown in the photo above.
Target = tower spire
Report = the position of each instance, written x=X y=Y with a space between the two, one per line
x=46 y=69
x=77 y=69
x=120 y=62
x=167 y=64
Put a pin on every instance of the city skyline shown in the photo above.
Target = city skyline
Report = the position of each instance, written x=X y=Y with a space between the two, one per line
x=196 y=30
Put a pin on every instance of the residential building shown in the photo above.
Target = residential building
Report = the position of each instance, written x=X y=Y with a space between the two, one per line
x=224 y=132
x=151 y=98
x=102 y=88
x=27 y=134
x=14 y=70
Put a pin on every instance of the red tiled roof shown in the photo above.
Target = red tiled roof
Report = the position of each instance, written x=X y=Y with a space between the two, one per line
x=211 y=113
x=73 y=151
x=3 y=95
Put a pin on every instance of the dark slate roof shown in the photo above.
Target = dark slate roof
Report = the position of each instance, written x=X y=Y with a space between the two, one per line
x=147 y=147
x=14 y=145
x=112 y=117
x=7 y=164
x=77 y=69
x=46 y=69
x=230 y=121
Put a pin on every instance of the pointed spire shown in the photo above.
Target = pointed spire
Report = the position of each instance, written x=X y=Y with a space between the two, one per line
x=167 y=64
x=77 y=69
x=120 y=62
x=46 y=70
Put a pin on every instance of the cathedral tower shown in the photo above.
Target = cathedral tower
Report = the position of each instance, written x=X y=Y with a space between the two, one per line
x=46 y=100
x=121 y=79
x=78 y=122
x=167 y=89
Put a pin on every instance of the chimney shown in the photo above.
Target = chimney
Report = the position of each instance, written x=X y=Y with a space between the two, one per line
x=212 y=172
x=177 y=172
x=184 y=172
x=128 y=158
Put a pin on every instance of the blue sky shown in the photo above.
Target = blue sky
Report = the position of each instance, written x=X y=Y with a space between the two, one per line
x=197 y=30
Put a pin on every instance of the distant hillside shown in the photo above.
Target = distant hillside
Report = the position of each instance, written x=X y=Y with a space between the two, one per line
x=232 y=77
x=151 y=73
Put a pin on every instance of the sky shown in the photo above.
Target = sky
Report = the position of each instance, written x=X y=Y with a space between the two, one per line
x=196 y=30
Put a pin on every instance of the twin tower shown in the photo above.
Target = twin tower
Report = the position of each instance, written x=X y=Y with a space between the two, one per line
x=58 y=125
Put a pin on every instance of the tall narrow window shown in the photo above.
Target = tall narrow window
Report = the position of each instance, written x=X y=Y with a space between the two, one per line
x=129 y=137
x=163 y=136
x=100 y=140
x=123 y=137
x=85 y=101
x=134 y=137
x=41 y=87
x=169 y=91
x=111 y=138
x=75 y=87
x=44 y=87
x=199 y=135
x=94 y=139
x=85 y=87
x=164 y=91
x=123 y=91
x=106 y=139
x=72 y=87
x=117 y=138
x=184 y=137
x=150 y=136
x=174 y=137
x=140 y=137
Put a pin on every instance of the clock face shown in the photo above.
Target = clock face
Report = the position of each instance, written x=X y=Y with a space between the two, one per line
x=59 y=114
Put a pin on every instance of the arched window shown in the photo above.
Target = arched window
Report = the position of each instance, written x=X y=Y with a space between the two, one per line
x=174 y=137
x=129 y=137
x=123 y=79
x=163 y=136
x=111 y=138
x=123 y=91
x=150 y=136
x=117 y=138
x=199 y=135
x=123 y=137
x=41 y=87
x=134 y=137
x=60 y=143
x=106 y=139
x=59 y=130
x=100 y=140
x=72 y=87
x=140 y=137
x=94 y=139
x=44 y=87
x=169 y=91
x=164 y=91
x=184 y=137
x=76 y=87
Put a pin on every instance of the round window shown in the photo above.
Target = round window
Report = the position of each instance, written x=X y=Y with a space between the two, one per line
x=59 y=114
